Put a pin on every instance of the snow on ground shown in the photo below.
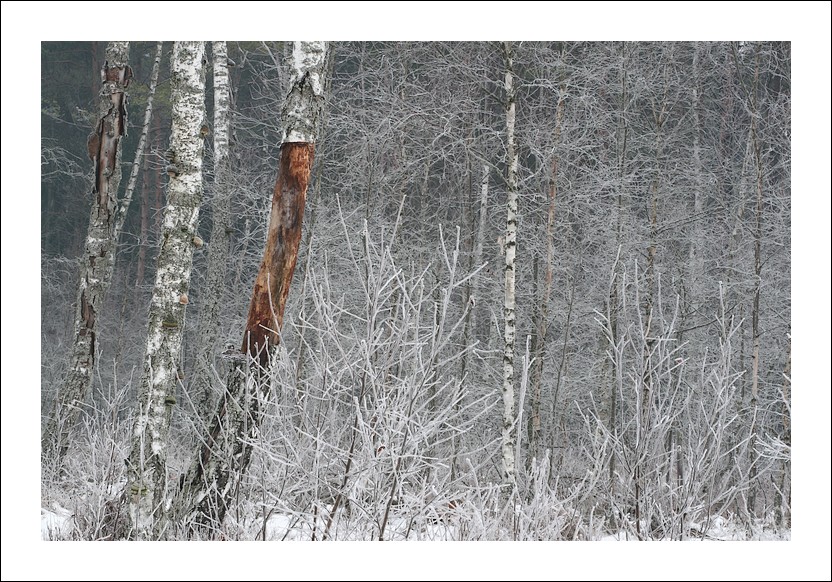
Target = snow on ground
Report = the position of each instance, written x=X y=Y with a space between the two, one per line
x=57 y=524
x=299 y=528
x=719 y=530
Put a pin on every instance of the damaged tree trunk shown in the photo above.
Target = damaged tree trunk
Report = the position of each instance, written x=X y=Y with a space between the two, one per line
x=146 y=467
x=104 y=149
x=225 y=454
x=271 y=288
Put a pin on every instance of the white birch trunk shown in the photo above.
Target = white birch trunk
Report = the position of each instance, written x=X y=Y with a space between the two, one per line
x=147 y=472
x=142 y=147
x=509 y=429
x=203 y=388
x=304 y=104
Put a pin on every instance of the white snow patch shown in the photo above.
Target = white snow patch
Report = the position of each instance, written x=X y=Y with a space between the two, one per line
x=718 y=529
x=57 y=524
x=299 y=527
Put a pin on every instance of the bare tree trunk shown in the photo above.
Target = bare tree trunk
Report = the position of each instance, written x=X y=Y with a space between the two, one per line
x=147 y=471
x=141 y=148
x=481 y=227
x=645 y=417
x=613 y=301
x=542 y=326
x=225 y=453
x=783 y=500
x=734 y=263
x=471 y=289
x=158 y=187
x=301 y=112
x=470 y=331
x=144 y=225
x=509 y=429
x=659 y=117
x=104 y=149
x=203 y=384
x=697 y=254
x=758 y=267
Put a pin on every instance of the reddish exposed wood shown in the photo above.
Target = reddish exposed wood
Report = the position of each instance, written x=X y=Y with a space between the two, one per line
x=271 y=288
x=102 y=145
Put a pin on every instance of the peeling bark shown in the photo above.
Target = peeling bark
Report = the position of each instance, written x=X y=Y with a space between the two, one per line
x=104 y=150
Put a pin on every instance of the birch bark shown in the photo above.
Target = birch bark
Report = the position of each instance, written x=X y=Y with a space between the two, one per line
x=509 y=429
x=146 y=467
x=203 y=385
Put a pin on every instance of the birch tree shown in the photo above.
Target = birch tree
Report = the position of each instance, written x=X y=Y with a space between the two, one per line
x=225 y=454
x=146 y=467
x=509 y=430
x=204 y=374
x=378 y=414
x=104 y=150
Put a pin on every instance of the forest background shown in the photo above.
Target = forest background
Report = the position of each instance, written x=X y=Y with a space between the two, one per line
x=814 y=351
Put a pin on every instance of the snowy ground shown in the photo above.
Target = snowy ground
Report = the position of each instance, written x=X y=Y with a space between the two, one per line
x=58 y=523
x=719 y=530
